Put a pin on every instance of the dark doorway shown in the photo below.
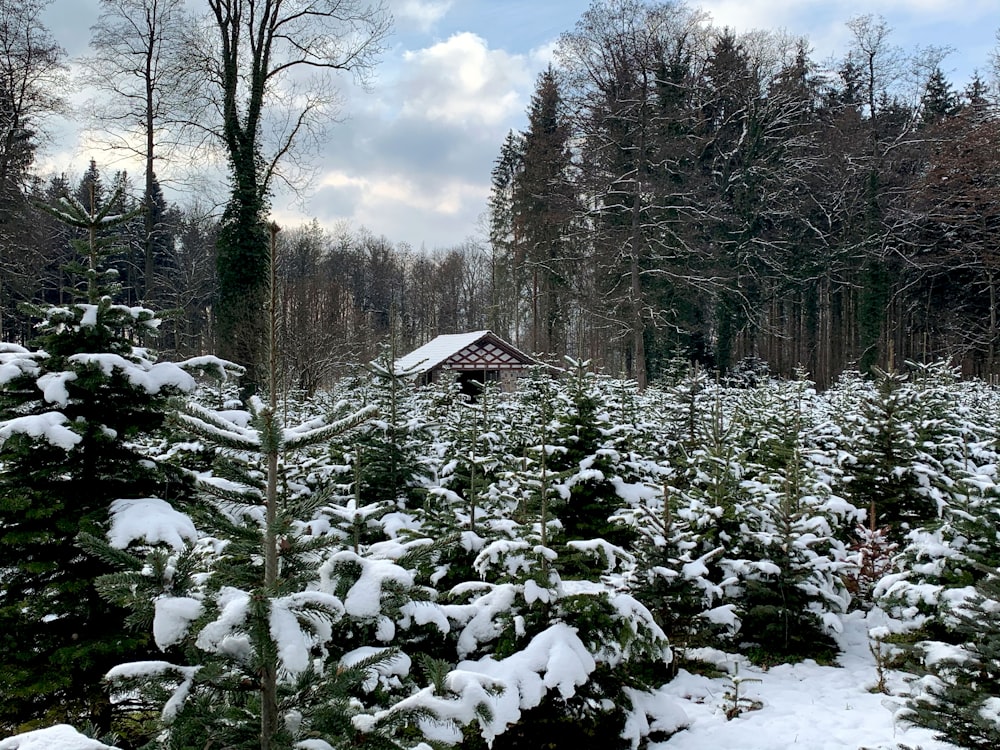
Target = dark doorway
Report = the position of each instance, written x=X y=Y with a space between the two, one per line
x=471 y=381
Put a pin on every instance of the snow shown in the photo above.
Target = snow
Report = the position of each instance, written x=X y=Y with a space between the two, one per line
x=556 y=659
x=53 y=387
x=227 y=428
x=990 y=710
x=385 y=672
x=58 y=737
x=292 y=644
x=50 y=426
x=936 y=652
x=150 y=520
x=152 y=669
x=801 y=705
x=223 y=369
x=172 y=617
x=89 y=317
x=424 y=613
x=612 y=555
x=152 y=378
x=723 y=615
x=225 y=633
x=634 y=493
x=655 y=711
x=434 y=352
x=16 y=361
x=366 y=596
x=315 y=609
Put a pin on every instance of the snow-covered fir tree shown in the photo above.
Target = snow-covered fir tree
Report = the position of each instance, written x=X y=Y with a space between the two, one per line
x=959 y=696
x=73 y=414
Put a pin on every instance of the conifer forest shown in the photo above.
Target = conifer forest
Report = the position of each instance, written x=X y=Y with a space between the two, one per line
x=760 y=443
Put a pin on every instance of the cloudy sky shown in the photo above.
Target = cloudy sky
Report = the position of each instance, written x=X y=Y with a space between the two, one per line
x=411 y=160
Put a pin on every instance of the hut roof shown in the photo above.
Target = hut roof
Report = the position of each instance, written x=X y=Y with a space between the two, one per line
x=473 y=350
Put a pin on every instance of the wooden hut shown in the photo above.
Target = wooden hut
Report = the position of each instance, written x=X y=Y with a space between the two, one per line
x=477 y=357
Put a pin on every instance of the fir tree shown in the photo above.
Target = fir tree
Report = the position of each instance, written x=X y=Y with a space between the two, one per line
x=939 y=100
x=788 y=558
x=960 y=696
x=385 y=451
x=709 y=494
x=884 y=439
x=74 y=413
x=585 y=467
x=671 y=575
x=287 y=636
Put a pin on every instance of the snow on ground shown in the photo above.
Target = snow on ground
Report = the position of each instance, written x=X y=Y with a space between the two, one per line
x=800 y=705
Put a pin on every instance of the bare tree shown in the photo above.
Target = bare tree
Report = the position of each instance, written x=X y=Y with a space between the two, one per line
x=145 y=88
x=268 y=63
x=31 y=78
x=880 y=67
x=316 y=308
x=186 y=282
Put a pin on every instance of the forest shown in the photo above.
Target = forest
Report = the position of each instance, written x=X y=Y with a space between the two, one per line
x=764 y=413
x=679 y=190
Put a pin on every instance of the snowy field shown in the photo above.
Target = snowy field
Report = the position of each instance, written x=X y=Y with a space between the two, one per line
x=801 y=706
x=515 y=559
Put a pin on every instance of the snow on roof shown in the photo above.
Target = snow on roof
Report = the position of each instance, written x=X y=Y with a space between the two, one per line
x=436 y=351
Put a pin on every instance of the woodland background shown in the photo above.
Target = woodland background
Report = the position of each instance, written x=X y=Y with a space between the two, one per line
x=680 y=190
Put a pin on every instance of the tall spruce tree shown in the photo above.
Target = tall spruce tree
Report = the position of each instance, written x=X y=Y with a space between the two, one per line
x=543 y=210
x=385 y=458
x=255 y=618
x=505 y=316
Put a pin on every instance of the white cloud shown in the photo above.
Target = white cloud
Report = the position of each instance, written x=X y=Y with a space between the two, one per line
x=965 y=26
x=463 y=82
x=771 y=14
x=423 y=14
x=544 y=54
x=434 y=210
x=385 y=192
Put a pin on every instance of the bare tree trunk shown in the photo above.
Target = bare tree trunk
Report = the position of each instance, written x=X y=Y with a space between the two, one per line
x=638 y=340
x=535 y=344
x=991 y=347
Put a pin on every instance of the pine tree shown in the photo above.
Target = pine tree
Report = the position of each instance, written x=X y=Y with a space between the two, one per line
x=506 y=273
x=960 y=695
x=944 y=557
x=940 y=100
x=671 y=576
x=884 y=440
x=789 y=559
x=287 y=635
x=711 y=502
x=585 y=463
x=74 y=413
x=385 y=451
